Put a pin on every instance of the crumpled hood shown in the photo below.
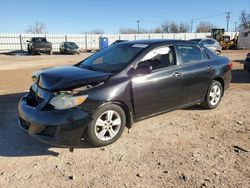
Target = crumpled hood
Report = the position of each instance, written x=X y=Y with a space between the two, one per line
x=67 y=77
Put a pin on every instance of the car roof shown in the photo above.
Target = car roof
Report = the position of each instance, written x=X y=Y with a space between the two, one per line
x=152 y=42
x=202 y=39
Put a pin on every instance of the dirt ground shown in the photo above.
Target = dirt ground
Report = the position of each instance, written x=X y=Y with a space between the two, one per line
x=191 y=147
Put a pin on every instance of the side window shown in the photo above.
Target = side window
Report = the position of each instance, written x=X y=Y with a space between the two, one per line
x=160 y=57
x=190 y=54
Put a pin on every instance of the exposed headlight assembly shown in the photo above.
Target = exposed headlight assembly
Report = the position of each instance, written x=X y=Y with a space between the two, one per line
x=64 y=101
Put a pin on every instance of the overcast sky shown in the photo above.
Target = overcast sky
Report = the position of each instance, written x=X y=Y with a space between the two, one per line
x=76 y=16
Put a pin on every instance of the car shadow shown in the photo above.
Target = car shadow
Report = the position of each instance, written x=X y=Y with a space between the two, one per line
x=195 y=107
x=15 y=142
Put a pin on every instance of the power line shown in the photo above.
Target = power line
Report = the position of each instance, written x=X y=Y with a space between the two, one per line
x=191 y=28
x=228 y=17
x=235 y=26
x=205 y=17
x=138 y=26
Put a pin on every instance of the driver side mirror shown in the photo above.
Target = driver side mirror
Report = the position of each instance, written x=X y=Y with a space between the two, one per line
x=143 y=69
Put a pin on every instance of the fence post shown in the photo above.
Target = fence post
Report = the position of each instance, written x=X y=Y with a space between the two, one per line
x=65 y=38
x=86 y=40
x=21 y=43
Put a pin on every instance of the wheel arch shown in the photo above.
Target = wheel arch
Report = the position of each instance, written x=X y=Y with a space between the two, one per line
x=129 y=116
x=221 y=80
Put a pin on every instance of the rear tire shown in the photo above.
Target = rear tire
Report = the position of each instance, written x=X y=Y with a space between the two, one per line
x=213 y=96
x=107 y=125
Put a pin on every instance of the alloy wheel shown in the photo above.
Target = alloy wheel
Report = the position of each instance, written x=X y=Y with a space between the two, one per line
x=107 y=125
x=214 y=95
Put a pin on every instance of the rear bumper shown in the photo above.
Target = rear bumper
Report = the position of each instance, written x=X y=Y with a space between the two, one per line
x=57 y=127
x=71 y=51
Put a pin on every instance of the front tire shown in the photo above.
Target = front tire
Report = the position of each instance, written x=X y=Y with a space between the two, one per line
x=107 y=125
x=213 y=96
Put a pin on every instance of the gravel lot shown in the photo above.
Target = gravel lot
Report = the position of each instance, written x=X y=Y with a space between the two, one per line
x=191 y=147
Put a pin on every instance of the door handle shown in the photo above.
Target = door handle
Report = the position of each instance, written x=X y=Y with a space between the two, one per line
x=210 y=67
x=177 y=74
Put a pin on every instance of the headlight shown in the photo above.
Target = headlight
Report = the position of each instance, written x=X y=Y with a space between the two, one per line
x=66 y=101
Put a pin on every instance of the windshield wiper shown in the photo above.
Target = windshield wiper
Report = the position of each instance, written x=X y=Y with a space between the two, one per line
x=87 y=67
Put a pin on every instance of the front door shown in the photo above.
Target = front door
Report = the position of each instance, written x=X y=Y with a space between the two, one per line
x=160 y=90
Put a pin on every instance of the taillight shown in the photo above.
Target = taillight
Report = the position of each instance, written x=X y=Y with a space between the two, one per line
x=230 y=65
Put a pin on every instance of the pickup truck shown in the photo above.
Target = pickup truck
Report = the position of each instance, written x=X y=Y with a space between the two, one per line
x=39 y=45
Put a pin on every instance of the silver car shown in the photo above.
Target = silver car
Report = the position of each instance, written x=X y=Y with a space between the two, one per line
x=211 y=44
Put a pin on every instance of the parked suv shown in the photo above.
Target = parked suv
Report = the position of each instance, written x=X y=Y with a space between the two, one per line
x=38 y=45
x=211 y=44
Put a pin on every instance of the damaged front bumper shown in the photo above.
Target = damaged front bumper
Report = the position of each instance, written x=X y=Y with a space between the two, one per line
x=56 y=127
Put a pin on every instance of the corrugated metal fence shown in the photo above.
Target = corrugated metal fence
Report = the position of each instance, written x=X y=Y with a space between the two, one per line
x=13 y=41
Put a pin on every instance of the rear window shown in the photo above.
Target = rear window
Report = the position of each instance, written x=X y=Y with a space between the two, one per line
x=190 y=54
x=39 y=40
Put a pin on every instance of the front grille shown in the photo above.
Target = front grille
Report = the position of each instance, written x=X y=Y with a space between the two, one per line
x=33 y=100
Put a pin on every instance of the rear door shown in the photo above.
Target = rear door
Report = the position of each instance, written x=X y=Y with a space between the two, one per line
x=197 y=72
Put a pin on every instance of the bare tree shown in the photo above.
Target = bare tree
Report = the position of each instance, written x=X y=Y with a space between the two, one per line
x=158 y=30
x=98 y=31
x=244 y=20
x=173 y=27
x=183 y=28
x=37 y=28
x=204 y=27
x=127 y=31
x=94 y=31
x=165 y=27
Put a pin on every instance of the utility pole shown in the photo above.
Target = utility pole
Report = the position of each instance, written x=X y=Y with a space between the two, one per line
x=191 y=28
x=138 y=26
x=235 y=27
x=228 y=17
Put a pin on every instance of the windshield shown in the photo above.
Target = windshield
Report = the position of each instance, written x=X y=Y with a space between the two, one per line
x=39 y=40
x=114 y=58
x=70 y=44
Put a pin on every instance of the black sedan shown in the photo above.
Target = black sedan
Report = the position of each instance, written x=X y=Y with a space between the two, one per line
x=126 y=82
x=69 y=48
